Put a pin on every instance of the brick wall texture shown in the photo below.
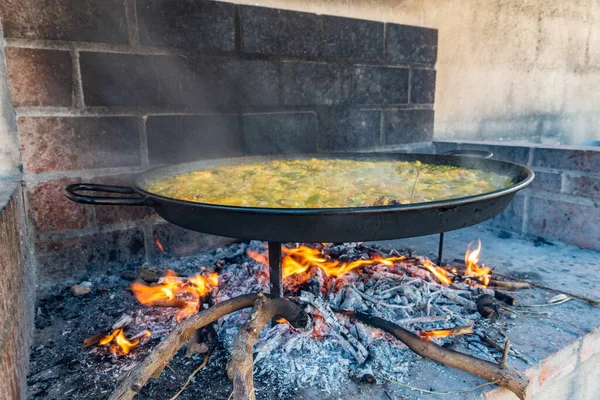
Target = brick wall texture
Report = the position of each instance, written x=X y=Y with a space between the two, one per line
x=563 y=201
x=104 y=89
x=16 y=304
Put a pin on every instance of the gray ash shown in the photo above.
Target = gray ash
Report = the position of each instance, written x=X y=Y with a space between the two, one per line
x=327 y=357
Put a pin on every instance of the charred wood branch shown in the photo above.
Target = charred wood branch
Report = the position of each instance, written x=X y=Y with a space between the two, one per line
x=135 y=379
x=242 y=364
x=486 y=307
x=509 y=285
x=203 y=341
x=503 y=361
x=459 y=330
x=93 y=340
x=575 y=296
x=511 y=301
x=505 y=376
x=175 y=303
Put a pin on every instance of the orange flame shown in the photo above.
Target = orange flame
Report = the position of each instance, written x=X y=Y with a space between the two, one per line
x=297 y=260
x=436 y=333
x=159 y=245
x=438 y=272
x=122 y=345
x=171 y=286
x=474 y=270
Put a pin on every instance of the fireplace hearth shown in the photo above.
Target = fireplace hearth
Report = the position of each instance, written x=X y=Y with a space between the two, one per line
x=322 y=359
x=102 y=91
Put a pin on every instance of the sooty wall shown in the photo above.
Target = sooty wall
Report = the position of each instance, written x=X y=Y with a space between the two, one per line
x=104 y=89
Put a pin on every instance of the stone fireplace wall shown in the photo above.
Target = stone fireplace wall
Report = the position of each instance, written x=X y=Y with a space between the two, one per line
x=16 y=295
x=103 y=89
x=562 y=202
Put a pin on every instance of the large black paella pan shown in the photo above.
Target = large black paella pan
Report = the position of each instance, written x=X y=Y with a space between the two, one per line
x=317 y=224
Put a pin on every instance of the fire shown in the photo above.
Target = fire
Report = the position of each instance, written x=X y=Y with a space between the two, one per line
x=436 y=333
x=159 y=245
x=171 y=287
x=121 y=344
x=460 y=330
x=474 y=270
x=438 y=272
x=297 y=260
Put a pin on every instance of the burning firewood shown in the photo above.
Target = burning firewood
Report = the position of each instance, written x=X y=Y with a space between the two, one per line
x=510 y=285
x=503 y=375
x=93 y=340
x=156 y=361
x=459 y=330
x=240 y=369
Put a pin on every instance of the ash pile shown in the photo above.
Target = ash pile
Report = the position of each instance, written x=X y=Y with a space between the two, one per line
x=334 y=353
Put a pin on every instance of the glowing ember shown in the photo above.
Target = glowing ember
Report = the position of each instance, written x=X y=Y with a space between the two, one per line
x=121 y=344
x=171 y=287
x=474 y=270
x=438 y=272
x=159 y=245
x=461 y=330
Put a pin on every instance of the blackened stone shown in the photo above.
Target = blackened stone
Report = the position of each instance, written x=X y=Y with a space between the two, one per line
x=315 y=83
x=411 y=44
x=380 y=85
x=281 y=133
x=258 y=82
x=93 y=142
x=79 y=20
x=184 y=242
x=352 y=38
x=272 y=31
x=193 y=24
x=408 y=126
x=343 y=129
x=176 y=139
x=90 y=256
x=422 y=86
x=40 y=77
x=111 y=79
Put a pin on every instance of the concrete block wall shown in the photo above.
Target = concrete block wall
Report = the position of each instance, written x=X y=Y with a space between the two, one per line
x=16 y=296
x=563 y=203
x=104 y=89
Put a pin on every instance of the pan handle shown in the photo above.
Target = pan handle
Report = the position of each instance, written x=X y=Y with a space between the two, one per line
x=470 y=153
x=72 y=192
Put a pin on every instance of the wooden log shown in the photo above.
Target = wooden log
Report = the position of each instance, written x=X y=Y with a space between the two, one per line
x=133 y=381
x=459 y=330
x=203 y=341
x=505 y=376
x=511 y=301
x=93 y=340
x=242 y=364
x=509 y=285
x=175 y=303
x=575 y=296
